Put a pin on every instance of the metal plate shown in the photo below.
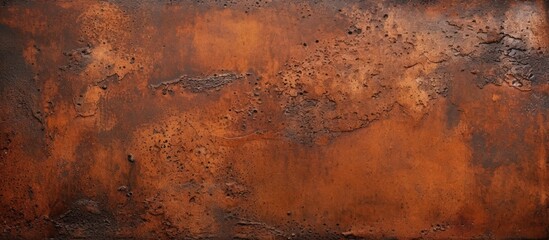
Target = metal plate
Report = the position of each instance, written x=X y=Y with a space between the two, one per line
x=274 y=119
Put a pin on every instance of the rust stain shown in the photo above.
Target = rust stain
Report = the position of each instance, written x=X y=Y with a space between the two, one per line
x=274 y=119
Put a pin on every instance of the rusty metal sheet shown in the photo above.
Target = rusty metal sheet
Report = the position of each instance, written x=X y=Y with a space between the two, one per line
x=274 y=119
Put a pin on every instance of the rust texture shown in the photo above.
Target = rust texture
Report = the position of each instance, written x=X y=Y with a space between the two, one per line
x=274 y=119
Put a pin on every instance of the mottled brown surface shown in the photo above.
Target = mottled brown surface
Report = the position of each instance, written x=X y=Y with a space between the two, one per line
x=274 y=119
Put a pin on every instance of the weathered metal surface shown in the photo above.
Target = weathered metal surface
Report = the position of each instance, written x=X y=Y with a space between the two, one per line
x=274 y=119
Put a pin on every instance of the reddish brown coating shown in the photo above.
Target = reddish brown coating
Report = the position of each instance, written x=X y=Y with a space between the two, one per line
x=274 y=119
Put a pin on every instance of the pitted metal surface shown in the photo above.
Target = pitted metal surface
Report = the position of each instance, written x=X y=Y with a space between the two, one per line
x=274 y=119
